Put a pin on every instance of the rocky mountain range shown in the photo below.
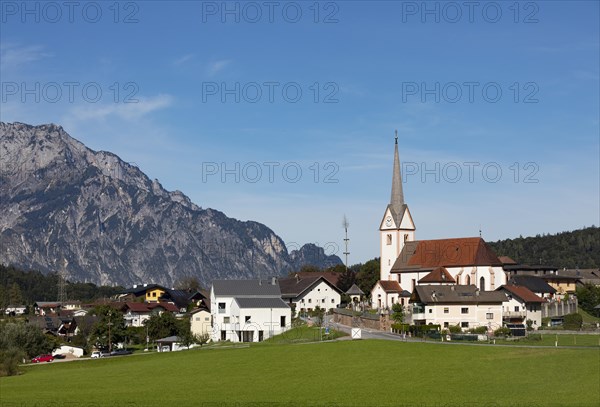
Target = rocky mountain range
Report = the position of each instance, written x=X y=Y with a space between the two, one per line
x=89 y=214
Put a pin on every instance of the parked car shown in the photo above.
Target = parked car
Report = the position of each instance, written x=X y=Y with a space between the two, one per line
x=120 y=352
x=42 y=358
x=59 y=356
x=96 y=354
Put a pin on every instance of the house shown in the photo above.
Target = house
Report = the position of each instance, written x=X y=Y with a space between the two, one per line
x=537 y=285
x=462 y=305
x=386 y=293
x=58 y=326
x=248 y=310
x=200 y=321
x=13 y=310
x=46 y=307
x=306 y=293
x=136 y=313
x=521 y=305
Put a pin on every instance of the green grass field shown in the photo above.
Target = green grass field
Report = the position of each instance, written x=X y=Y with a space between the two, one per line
x=344 y=373
x=549 y=339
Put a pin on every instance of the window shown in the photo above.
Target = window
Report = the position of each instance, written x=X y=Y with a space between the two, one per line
x=223 y=335
x=332 y=300
x=247 y=318
x=464 y=324
x=482 y=284
x=414 y=283
x=323 y=300
x=225 y=320
x=446 y=324
x=302 y=301
x=489 y=315
x=309 y=300
x=318 y=289
x=430 y=310
x=282 y=320
x=221 y=308
x=516 y=308
x=406 y=237
x=206 y=319
x=197 y=318
x=464 y=310
x=468 y=279
x=388 y=239
x=446 y=310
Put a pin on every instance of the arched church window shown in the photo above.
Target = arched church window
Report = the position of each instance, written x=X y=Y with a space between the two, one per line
x=468 y=280
x=482 y=284
x=405 y=237
x=389 y=239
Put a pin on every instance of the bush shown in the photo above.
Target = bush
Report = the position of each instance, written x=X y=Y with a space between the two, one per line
x=572 y=321
x=545 y=322
x=9 y=361
x=534 y=337
x=479 y=330
x=455 y=329
x=401 y=327
x=504 y=331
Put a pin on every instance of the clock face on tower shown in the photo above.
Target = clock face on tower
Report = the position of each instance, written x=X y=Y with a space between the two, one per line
x=388 y=221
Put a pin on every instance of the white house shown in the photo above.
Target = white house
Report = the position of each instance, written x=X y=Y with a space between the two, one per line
x=521 y=305
x=247 y=310
x=386 y=293
x=200 y=321
x=462 y=305
x=306 y=293
x=15 y=309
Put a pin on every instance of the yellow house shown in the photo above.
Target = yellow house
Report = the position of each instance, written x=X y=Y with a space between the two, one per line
x=153 y=294
x=562 y=284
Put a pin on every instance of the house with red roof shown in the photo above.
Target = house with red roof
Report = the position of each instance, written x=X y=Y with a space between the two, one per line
x=387 y=293
x=521 y=305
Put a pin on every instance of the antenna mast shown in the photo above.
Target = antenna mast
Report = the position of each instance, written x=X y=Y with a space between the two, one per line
x=346 y=224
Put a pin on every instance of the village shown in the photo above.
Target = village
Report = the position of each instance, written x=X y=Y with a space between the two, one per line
x=449 y=289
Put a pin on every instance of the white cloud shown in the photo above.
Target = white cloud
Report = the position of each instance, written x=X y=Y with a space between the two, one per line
x=13 y=56
x=127 y=111
x=217 y=66
x=182 y=60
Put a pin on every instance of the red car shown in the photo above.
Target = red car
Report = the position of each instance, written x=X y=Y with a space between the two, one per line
x=42 y=358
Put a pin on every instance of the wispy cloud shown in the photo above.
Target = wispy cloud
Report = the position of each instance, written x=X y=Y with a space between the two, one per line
x=127 y=111
x=13 y=56
x=215 y=67
x=182 y=60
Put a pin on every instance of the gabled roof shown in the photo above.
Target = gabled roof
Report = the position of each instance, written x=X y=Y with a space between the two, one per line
x=533 y=283
x=47 y=304
x=295 y=286
x=430 y=254
x=246 y=288
x=135 y=307
x=455 y=294
x=390 y=286
x=261 y=303
x=355 y=290
x=167 y=306
x=330 y=276
x=506 y=260
x=438 y=275
x=523 y=293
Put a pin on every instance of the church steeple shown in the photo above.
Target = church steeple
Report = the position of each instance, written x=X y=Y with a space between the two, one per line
x=396 y=227
x=397 y=199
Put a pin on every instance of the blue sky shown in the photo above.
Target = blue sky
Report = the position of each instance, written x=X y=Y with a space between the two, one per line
x=204 y=95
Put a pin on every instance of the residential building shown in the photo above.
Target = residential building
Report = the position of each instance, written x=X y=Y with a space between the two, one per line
x=386 y=293
x=136 y=313
x=537 y=285
x=248 y=310
x=307 y=293
x=200 y=321
x=521 y=305
x=462 y=305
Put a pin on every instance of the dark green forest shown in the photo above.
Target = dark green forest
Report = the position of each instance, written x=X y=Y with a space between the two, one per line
x=26 y=287
x=579 y=248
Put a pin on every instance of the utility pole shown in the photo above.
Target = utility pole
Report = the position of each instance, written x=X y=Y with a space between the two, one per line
x=346 y=224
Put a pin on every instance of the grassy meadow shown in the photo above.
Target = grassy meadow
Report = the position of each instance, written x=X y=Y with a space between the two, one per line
x=341 y=373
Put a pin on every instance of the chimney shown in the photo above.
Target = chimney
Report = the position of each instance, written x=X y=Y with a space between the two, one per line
x=273 y=280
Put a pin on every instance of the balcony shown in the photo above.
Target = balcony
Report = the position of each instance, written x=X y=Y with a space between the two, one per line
x=514 y=314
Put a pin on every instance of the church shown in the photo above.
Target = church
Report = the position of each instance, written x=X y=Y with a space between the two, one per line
x=406 y=263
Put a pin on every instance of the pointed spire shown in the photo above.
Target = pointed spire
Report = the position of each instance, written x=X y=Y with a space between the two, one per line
x=397 y=199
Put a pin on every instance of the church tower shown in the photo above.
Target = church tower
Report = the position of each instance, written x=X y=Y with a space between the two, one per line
x=397 y=225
